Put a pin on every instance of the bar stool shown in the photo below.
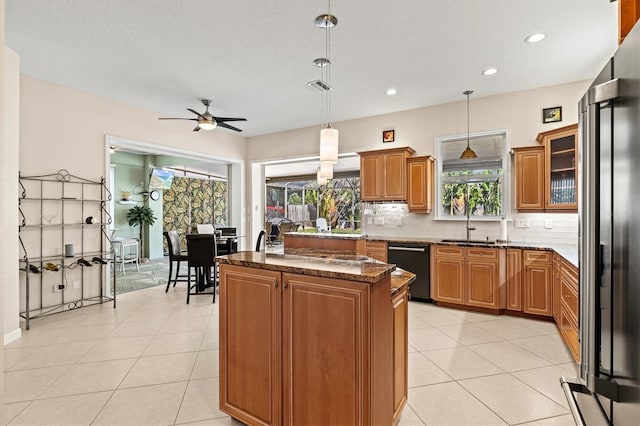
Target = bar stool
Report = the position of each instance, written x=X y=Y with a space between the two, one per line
x=121 y=256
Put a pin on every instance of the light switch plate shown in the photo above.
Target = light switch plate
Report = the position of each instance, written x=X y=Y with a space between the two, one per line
x=548 y=223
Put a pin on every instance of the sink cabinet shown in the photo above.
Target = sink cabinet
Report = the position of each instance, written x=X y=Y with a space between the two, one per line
x=383 y=174
x=470 y=276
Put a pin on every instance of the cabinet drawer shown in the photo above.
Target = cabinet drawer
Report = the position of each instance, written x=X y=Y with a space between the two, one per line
x=569 y=298
x=570 y=271
x=569 y=332
x=482 y=253
x=376 y=245
x=449 y=251
x=538 y=256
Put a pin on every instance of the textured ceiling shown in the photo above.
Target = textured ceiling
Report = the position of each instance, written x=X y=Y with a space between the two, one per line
x=254 y=57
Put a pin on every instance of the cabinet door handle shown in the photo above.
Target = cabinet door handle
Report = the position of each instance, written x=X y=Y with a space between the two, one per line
x=286 y=285
x=275 y=285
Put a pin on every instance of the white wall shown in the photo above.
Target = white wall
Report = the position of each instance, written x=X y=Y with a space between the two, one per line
x=66 y=128
x=3 y=179
x=519 y=112
x=9 y=160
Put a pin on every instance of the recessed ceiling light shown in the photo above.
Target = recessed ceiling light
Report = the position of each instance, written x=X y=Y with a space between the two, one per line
x=391 y=92
x=534 y=38
x=490 y=71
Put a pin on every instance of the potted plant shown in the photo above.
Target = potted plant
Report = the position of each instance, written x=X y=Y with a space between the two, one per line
x=141 y=216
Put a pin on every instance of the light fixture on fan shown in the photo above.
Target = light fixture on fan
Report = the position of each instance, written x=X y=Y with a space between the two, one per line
x=329 y=137
x=468 y=153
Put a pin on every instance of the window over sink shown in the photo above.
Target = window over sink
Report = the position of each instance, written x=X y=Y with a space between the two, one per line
x=477 y=187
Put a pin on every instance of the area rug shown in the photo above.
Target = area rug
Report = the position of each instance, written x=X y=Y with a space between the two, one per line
x=153 y=273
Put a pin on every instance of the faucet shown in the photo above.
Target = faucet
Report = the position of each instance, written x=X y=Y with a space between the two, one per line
x=469 y=229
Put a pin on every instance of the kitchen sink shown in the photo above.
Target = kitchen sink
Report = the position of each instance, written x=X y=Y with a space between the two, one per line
x=485 y=242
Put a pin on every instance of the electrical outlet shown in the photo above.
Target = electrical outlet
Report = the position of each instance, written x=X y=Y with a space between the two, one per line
x=369 y=221
x=519 y=223
x=76 y=285
x=548 y=223
x=378 y=220
x=527 y=223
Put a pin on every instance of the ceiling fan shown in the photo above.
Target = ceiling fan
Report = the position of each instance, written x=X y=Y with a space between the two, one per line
x=206 y=121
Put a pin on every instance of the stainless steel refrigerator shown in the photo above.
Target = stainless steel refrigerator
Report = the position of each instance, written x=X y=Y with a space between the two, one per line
x=607 y=390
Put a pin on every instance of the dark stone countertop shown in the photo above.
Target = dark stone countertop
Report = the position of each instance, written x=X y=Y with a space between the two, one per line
x=568 y=251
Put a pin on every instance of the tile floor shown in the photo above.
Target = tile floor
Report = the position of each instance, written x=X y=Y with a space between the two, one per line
x=154 y=361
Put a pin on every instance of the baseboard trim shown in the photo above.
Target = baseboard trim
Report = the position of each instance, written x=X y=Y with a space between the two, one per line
x=12 y=335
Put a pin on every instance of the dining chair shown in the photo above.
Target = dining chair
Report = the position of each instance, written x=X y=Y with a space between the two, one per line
x=201 y=252
x=176 y=255
x=205 y=228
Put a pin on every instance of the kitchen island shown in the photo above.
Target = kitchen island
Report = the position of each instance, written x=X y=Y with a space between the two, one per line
x=312 y=340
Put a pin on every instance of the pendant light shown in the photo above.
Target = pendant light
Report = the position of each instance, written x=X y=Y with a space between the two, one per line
x=321 y=180
x=468 y=153
x=329 y=138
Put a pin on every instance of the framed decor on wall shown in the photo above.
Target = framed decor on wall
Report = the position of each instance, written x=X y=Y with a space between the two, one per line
x=388 y=136
x=552 y=115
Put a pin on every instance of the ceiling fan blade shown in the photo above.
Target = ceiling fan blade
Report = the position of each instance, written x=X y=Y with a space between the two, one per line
x=219 y=119
x=194 y=111
x=228 y=127
x=197 y=128
x=190 y=119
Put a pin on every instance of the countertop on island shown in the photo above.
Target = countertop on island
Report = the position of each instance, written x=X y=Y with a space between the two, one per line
x=341 y=266
x=326 y=235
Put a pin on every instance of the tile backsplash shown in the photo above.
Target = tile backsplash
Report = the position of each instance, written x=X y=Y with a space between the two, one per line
x=394 y=220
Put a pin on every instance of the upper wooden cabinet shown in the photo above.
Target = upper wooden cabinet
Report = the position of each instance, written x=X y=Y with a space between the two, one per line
x=383 y=174
x=529 y=177
x=628 y=15
x=546 y=176
x=560 y=161
x=420 y=184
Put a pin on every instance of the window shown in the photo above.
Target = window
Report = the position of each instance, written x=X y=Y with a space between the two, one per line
x=476 y=187
x=300 y=201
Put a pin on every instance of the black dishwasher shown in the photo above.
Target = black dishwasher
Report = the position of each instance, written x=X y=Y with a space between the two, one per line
x=413 y=258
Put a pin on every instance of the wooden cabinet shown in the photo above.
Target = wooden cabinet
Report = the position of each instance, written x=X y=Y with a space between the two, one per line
x=483 y=278
x=529 y=178
x=383 y=174
x=561 y=176
x=628 y=15
x=546 y=176
x=448 y=273
x=468 y=276
x=400 y=352
x=282 y=361
x=557 y=268
x=420 y=184
x=537 y=284
x=569 y=314
x=376 y=250
x=514 y=279
x=250 y=314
